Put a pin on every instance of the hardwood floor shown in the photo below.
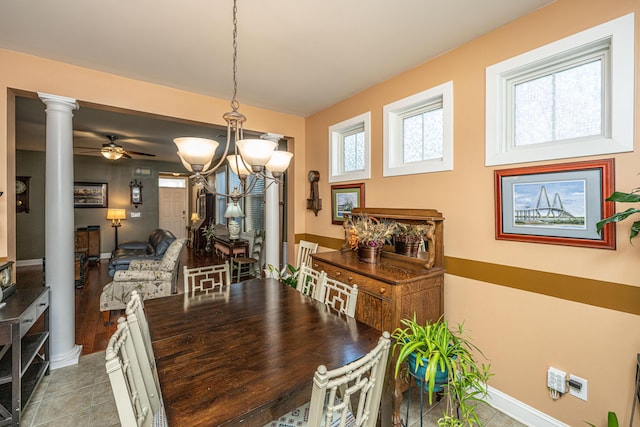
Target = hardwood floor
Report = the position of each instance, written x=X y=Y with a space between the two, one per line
x=91 y=332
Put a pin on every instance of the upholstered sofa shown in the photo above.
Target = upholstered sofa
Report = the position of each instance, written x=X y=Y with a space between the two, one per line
x=152 y=249
x=151 y=278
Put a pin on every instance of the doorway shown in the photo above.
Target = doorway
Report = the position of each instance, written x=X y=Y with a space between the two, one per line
x=173 y=205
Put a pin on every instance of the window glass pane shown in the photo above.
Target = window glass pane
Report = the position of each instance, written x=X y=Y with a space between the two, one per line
x=562 y=105
x=172 y=182
x=353 y=149
x=254 y=205
x=221 y=201
x=423 y=136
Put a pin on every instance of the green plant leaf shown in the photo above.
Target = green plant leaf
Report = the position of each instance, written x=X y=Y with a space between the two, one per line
x=619 y=196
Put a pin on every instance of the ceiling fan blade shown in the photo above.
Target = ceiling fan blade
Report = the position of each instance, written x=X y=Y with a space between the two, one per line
x=126 y=156
x=140 y=154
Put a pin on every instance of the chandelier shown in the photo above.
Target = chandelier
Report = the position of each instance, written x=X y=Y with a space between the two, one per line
x=251 y=156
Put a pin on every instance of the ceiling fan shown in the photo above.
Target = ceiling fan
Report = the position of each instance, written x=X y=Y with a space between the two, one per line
x=113 y=151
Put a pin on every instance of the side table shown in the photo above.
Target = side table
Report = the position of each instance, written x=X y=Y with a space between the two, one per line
x=230 y=248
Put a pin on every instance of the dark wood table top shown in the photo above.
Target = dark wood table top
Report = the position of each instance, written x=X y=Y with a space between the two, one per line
x=248 y=359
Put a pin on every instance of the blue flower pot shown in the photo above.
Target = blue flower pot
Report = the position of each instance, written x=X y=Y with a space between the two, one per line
x=442 y=377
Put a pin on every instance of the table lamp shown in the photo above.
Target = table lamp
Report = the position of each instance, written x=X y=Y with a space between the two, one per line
x=233 y=211
x=116 y=215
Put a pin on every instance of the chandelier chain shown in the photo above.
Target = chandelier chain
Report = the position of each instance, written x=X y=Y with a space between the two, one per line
x=234 y=102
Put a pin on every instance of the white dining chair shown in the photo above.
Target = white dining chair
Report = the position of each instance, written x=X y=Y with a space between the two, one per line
x=141 y=339
x=338 y=295
x=305 y=249
x=123 y=368
x=349 y=395
x=206 y=283
x=310 y=281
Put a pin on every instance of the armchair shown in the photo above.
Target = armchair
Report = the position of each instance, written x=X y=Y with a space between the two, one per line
x=151 y=278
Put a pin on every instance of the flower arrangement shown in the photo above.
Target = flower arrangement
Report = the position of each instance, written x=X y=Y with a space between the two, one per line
x=368 y=231
x=410 y=232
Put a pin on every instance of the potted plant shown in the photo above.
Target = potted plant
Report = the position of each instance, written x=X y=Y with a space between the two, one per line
x=288 y=275
x=443 y=361
x=208 y=233
x=619 y=196
x=407 y=238
x=367 y=235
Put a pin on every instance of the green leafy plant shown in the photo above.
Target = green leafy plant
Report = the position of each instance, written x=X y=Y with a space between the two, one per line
x=288 y=275
x=612 y=420
x=622 y=197
x=443 y=350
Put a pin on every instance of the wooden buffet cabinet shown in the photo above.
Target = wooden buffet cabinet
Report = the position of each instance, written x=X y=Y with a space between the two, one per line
x=398 y=286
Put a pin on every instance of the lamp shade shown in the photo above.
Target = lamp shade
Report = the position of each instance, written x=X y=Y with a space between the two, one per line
x=233 y=211
x=116 y=214
x=111 y=155
x=197 y=152
x=279 y=162
x=237 y=165
x=256 y=152
x=195 y=217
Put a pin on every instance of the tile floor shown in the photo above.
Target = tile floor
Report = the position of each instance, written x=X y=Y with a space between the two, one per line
x=80 y=396
x=74 y=396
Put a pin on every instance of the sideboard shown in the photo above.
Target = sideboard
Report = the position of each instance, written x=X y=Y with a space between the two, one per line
x=399 y=286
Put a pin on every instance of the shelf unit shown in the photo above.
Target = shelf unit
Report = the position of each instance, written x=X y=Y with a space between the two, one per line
x=24 y=353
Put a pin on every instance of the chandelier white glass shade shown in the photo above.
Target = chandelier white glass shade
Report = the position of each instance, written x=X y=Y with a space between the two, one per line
x=250 y=155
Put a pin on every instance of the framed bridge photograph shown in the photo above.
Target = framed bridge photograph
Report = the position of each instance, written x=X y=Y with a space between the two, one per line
x=556 y=204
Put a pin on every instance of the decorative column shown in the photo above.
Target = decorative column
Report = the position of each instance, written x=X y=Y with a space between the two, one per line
x=59 y=229
x=272 y=222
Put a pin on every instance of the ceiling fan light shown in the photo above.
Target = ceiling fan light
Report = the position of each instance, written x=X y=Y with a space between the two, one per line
x=256 y=152
x=237 y=165
x=196 y=151
x=279 y=162
x=110 y=154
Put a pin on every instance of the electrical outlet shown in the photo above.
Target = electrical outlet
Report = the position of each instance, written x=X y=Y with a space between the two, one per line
x=557 y=380
x=582 y=393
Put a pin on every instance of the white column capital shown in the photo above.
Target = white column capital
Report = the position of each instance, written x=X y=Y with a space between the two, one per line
x=48 y=98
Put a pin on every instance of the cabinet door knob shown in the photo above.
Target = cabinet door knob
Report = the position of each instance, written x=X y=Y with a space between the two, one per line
x=338 y=273
x=349 y=278
x=383 y=290
x=315 y=266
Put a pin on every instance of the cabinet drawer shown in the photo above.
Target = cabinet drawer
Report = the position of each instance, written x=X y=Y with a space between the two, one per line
x=28 y=320
x=366 y=284
x=42 y=304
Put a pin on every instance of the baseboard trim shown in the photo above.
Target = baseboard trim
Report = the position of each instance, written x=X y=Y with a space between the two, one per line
x=519 y=411
x=28 y=262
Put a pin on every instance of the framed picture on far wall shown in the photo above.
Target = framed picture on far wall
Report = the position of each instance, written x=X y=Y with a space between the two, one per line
x=557 y=204
x=344 y=198
x=90 y=195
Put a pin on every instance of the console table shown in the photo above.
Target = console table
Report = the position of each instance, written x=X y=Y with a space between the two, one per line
x=231 y=248
x=398 y=286
x=24 y=358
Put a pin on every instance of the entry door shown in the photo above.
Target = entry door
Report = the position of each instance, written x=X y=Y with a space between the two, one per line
x=173 y=210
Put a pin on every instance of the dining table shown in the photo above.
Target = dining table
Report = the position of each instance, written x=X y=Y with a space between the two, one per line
x=248 y=356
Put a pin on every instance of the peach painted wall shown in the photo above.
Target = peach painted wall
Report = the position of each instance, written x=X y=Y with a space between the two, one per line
x=523 y=333
x=32 y=74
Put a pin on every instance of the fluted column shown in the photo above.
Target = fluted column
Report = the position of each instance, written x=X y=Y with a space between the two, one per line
x=59 y=229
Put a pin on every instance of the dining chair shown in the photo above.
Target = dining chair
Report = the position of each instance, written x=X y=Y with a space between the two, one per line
x=338 y=295
x=337 y=392
x=305 y=249
x=250 y=265
x=123 y=368
x=310 y=281
x=212 y=278
x=141 y=339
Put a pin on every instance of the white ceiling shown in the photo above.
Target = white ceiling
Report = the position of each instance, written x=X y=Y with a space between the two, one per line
x=294 y=56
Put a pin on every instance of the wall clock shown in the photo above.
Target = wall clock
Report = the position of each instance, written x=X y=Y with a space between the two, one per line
x=22 y=193
x=136 y=192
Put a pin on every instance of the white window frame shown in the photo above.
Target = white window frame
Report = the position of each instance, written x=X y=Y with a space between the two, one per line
x=393 y=115
x=336 y=133
x=618 y=122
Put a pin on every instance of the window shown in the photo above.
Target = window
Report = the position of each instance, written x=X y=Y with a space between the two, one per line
x=570 y=98
x=166 y=182
x=349 y=149
x=418 y=132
